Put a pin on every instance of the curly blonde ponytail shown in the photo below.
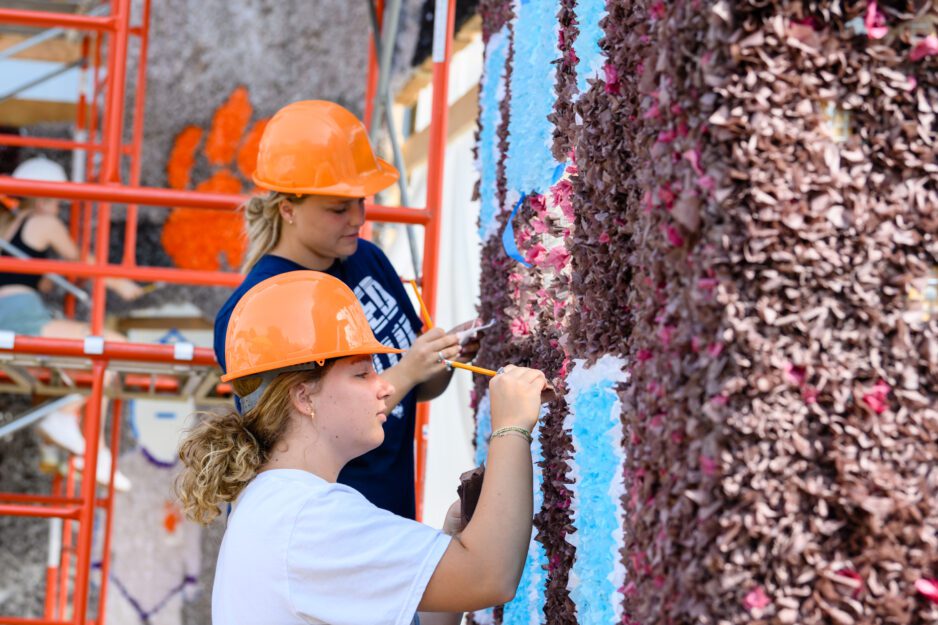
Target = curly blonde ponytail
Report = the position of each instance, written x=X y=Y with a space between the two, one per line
x=220 y=456
x=263 y=224
x=225 y=451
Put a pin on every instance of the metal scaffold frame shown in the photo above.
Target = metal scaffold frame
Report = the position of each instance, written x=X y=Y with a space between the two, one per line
x=99 y=131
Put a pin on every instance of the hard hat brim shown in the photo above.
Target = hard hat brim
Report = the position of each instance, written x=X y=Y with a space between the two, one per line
x=364 y=186
x=364 y=350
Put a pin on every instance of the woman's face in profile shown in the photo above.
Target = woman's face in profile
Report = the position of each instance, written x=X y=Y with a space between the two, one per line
x=329 y=226
x=351 y=405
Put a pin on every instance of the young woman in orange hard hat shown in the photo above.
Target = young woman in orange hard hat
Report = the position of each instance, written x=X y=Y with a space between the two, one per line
x=316 y=162
x=36 y=231
x=300 y=547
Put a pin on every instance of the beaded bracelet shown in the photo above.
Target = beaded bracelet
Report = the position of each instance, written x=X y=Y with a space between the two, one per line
x=512 y=428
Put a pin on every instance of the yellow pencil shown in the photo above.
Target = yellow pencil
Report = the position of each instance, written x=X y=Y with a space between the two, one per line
x=423 y=307
x=474 y=369
x=452 y=363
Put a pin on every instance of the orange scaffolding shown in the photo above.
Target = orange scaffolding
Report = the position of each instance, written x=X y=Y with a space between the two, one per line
x=100 y=132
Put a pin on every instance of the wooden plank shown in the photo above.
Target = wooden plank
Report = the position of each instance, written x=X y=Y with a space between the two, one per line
x=422 y=76
x=30 y=112
x=125 y=324
x=462 y=116
x=60 y=6
x=419 y=78
x=58 y=50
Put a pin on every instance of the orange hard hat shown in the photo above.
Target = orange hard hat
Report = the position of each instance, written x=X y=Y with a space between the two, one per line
x=313 y=147
x=296 y=318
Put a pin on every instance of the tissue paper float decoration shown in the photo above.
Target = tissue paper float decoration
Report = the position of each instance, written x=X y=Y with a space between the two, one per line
x=745 y=249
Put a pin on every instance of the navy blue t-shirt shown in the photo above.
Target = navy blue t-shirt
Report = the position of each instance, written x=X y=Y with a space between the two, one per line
x=385 y=476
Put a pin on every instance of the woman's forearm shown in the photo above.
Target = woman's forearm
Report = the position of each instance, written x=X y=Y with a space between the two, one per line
x=482 y=566
x=434 y=387
x=440 y=618
x=500 y=530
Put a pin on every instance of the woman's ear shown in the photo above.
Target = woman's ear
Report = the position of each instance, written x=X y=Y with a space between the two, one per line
x=303 y=398
x=287 y=210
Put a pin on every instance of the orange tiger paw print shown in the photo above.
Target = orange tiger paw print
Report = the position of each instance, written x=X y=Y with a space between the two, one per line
x=211 y=239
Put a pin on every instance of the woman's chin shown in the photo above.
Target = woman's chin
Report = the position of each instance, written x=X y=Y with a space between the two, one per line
x=347 y=246
x=369 y=441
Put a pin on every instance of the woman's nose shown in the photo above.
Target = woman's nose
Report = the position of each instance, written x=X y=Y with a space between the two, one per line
x=386 y=390
x=358 y=216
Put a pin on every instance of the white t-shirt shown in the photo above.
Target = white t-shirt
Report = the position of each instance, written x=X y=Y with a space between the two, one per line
x=298 y=549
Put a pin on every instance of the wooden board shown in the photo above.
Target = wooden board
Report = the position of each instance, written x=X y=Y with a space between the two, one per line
x=30 y=112
x=423 y=75
x=59 y=49
x=462 y=116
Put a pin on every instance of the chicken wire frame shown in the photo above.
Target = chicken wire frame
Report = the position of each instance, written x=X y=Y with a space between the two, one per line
x=62 y=507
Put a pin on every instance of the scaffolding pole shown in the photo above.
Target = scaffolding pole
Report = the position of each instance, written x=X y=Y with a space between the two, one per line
x=443 y=26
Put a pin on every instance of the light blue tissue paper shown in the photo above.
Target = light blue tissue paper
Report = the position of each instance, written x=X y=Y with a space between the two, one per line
x=530 y=164
x=492 y=91
x=590 y=59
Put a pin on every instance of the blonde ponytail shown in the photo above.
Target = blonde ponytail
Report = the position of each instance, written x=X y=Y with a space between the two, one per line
x=220 y=456
x=263 y=224
x=224 y=452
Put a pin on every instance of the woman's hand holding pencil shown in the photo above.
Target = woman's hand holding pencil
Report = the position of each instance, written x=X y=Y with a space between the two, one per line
x=548 y=394
x=467 y=338
x=425 y=357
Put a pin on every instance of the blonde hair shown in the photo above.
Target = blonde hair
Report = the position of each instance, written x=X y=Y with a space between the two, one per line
x=263 y=224
x=224 y=451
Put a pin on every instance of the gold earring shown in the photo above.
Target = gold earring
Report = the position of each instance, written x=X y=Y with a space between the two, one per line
x=312 y=414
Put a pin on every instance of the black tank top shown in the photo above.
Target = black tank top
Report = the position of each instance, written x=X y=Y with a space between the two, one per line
x=30 y=280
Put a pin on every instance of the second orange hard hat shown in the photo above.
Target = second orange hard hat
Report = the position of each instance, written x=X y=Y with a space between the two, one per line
x=296 y=318
x=314 y=147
